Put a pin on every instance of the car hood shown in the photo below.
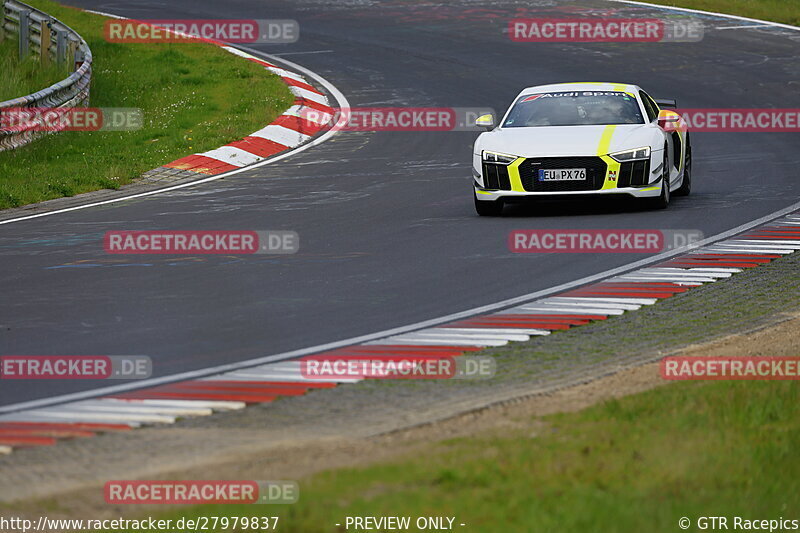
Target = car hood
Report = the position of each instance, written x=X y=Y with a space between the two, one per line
x=562 y=141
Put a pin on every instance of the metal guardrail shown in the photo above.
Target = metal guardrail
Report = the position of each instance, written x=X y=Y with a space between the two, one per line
x=51 y=40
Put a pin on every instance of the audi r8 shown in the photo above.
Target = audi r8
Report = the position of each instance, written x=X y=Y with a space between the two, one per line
x=576 y=139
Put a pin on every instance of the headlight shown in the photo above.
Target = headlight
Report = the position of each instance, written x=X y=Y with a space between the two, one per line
x=496 y=157
x=631 y=155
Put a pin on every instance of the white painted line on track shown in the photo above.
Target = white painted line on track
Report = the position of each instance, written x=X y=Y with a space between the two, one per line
x=33 y=416
x=739 y=250
x=56 y=414
x=440 y=332
x=730 y=270
x=281 y=135
x=416 y=341
x=216 y=405
x=502 y=331
x=784 y=243
x=237 y=52
x=5 y=450
x=286 y=74
x=270 y=375
x=742 y=26
x=317 y=117
x=691 y=270
x=476 y=333
x=732 y=249
x=303 y=53
x=668 y=279
x=722 y=249
x=233 y=156
x=277 y=378
x=111 y=405
x=752 y=248
x=688 y=273
x=452 y=338
x=64 y=412
x=669 y=276
x=582 y=304
x=755 y=245
x=103 y=14
x=603 y=300
x=561 y=310
x=716 y=14
x=314 y=96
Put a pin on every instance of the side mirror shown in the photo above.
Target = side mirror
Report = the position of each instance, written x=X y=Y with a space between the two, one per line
x=485 y=121
x=667 y=120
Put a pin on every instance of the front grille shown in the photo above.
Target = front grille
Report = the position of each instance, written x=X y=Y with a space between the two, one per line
x=595 y=174
x=634 y=173
x=496 y=177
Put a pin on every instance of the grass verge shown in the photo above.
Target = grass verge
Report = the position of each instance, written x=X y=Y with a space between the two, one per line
x=635 y=464
x=784 y=11
x=25 y=77
x=194 y=97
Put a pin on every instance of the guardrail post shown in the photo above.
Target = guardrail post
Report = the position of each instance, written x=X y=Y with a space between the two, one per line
x=24 y=33
x=44 y=48
x=61 y=46
x=72 y=53
x=79 y=58
x=2 y=20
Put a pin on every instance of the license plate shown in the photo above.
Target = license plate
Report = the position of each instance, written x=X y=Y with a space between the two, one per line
x=562 y=174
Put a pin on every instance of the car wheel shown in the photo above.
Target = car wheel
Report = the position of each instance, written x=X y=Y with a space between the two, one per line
x=488 y=208
x=686 y=187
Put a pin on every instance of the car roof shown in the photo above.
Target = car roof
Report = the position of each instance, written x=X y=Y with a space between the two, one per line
x=582 y=86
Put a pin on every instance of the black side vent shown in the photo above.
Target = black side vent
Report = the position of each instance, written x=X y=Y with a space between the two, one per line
x=495 y=177
x=634 y=173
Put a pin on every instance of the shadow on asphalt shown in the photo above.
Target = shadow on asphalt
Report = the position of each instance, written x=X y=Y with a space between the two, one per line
x=560 y=207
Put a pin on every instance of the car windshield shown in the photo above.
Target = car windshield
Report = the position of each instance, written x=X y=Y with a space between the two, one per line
x=576 y=108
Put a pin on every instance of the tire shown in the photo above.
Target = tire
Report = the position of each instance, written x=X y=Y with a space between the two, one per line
x=662 y=202
x=488 y=208
x=686 y=187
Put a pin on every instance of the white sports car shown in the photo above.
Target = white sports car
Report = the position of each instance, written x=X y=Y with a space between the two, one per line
x=578 y=139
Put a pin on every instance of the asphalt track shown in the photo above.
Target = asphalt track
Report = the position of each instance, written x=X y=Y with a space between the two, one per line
x=388 y=232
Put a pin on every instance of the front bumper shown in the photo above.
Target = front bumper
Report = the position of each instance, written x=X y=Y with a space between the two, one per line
x=638 y=192
x=604 y=175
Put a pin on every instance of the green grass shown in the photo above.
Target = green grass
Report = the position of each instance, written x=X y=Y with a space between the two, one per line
x=194 y=97
x=24 y=77
x=785 y=11
x=631 y=465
